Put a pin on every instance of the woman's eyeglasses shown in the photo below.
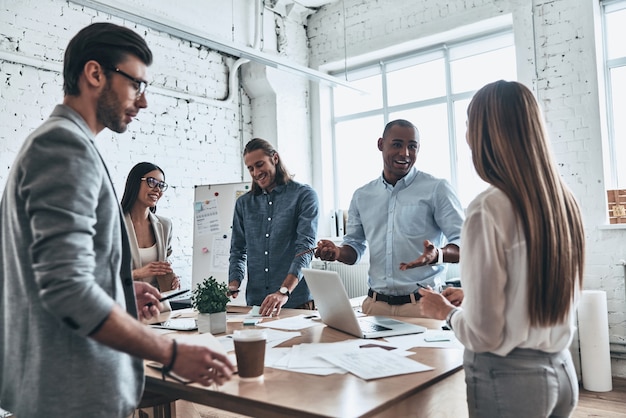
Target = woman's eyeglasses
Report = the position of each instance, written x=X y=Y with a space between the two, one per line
x=153 y=183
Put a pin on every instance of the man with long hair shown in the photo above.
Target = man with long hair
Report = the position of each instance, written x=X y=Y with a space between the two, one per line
x=274 y=225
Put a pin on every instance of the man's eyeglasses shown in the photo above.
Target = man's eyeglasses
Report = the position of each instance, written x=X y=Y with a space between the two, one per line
x=140 y=85
x=153 y=183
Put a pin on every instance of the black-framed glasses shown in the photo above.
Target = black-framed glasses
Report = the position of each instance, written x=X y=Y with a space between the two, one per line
x=140 y=85
x=153 y=183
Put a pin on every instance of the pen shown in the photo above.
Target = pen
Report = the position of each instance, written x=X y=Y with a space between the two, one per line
x=170 y=296
x=310 y=250
x=173 y=295
x=422 y=286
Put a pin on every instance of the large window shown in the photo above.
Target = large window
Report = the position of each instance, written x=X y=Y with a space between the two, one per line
x=430 y=88
x=615 y=75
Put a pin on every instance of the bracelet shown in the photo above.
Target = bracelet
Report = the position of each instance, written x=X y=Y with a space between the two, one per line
x=440 y=256
x=449 y=317
x=168 y=368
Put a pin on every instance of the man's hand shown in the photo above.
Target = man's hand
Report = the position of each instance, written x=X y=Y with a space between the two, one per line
x=327 y=250
x=202 y=365
x=147 y=296
x=429 y=256
x=273 y=301
x=233 y=289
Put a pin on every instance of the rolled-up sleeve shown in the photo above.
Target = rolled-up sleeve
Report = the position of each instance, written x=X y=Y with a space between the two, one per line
x=448 y=212
x=238 y=245
x=306 y=229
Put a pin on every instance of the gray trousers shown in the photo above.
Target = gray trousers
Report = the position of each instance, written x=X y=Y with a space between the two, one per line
x=525 y=383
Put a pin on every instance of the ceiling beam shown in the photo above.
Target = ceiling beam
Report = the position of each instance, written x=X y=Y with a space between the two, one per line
x=162 y=24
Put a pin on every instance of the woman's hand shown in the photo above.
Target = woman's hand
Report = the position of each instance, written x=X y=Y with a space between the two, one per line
x=454 y=295
x=154 y=268
x=434 y=305
x=175 y=282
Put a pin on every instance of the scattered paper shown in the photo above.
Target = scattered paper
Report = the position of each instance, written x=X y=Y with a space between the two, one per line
x=374 y=363
x=294 y=322
x=274 y=338
x=432 y=338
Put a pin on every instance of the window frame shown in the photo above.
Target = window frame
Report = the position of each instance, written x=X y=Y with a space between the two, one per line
x=613 y=182
x=501 y=37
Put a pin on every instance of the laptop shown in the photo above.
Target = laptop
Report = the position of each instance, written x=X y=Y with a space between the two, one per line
x=335 y=309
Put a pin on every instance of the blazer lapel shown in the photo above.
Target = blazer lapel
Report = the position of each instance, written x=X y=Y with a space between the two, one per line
x=157 y=227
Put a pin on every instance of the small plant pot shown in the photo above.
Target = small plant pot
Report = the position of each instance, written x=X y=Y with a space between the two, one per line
x=214 y=323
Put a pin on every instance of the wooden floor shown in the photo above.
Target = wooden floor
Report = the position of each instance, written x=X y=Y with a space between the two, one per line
x=590 y=404
x=603 y=404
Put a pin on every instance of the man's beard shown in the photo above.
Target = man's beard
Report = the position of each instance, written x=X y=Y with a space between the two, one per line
x=108 y=111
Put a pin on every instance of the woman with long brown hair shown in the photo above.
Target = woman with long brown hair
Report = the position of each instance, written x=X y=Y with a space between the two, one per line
x=521 y=265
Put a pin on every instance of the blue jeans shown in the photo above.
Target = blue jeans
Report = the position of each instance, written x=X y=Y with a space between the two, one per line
x=525 y=383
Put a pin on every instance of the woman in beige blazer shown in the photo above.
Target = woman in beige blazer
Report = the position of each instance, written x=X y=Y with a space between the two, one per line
x=150 y=235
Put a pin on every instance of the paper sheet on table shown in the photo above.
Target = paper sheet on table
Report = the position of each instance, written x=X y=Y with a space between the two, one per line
x=308 y=355
x=282 y=362
x=432 y=338
x=278 y=358
x=374 y=363
x=293 y=323
x=274 y=338
x=183 y=313
x=205 y=339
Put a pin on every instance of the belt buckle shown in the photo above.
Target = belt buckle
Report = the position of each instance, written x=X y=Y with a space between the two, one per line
x=393 y=300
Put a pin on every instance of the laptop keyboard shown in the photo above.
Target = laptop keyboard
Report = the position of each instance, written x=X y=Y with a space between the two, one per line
x=367 y=327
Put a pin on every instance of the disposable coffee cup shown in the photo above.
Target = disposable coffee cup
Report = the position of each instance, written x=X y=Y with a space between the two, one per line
x=165 y=281
x=250 y=353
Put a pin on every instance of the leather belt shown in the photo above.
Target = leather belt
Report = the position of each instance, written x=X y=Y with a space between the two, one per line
x=393 y=300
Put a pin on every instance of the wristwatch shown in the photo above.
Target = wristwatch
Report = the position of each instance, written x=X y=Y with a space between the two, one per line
x=284 y=291
x=450 y=315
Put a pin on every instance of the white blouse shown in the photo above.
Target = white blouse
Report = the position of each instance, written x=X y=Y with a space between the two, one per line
x=493 y=267
x=148 y=255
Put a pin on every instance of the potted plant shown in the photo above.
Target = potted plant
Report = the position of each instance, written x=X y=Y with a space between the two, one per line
x=209 y=298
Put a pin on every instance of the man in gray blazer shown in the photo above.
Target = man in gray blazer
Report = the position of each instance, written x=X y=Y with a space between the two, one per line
x=70 y=341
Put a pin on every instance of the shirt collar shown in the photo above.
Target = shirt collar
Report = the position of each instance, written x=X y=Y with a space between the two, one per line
x=405 y=181
x=277 y=189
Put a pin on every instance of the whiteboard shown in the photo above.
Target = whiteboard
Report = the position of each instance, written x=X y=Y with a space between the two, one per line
x=213 y=209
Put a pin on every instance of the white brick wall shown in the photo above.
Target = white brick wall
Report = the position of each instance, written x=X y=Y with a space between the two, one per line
x=188 y=129
x=194 y=143
x=199 y=142
x=564 y=79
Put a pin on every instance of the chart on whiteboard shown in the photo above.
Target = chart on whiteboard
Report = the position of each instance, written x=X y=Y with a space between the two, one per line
x=207 y=217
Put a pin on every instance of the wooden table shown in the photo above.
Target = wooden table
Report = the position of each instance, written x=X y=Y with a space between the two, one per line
x=439 y=392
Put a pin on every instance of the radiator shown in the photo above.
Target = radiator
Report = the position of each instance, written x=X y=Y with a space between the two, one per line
x=354 y=277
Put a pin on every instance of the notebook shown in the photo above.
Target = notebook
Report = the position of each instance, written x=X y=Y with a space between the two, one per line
x=334 y=308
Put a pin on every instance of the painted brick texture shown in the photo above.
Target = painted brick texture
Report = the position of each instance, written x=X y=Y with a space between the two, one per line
x=559 y=36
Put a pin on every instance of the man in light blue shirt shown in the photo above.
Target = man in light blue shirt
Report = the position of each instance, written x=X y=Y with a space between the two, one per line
x=401 y=214
x=274 y=226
